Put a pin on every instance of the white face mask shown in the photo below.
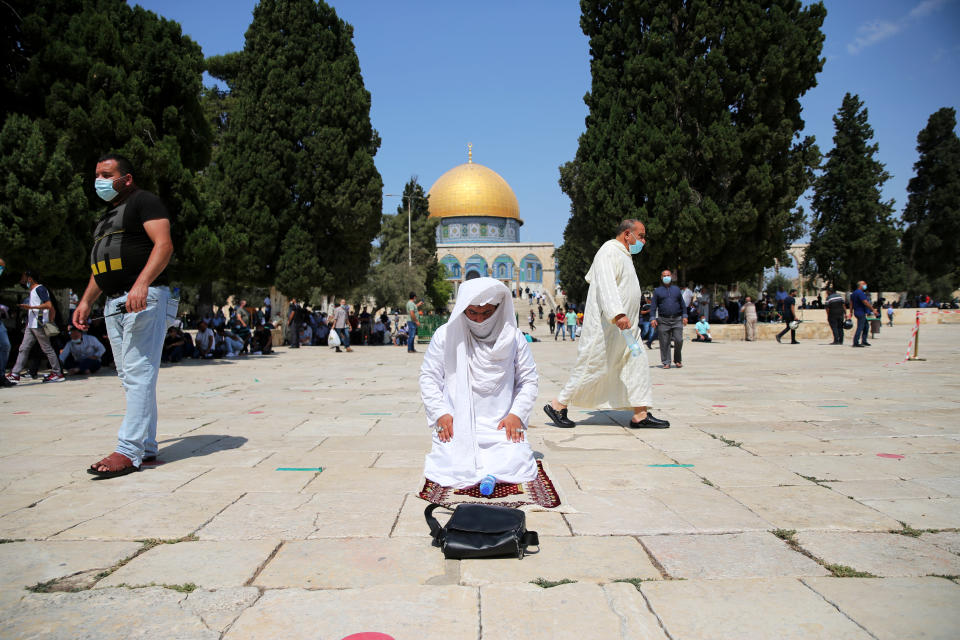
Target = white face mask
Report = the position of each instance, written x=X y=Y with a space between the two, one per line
x=482 y=329
x=77 y=341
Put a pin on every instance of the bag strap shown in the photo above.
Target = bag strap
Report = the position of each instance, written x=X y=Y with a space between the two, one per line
x=530 y=538
x=433 y=523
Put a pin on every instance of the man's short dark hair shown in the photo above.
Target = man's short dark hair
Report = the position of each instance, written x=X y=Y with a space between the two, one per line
x=793 y=292
x=124 y=166
x=412 y=295
x=626 y=225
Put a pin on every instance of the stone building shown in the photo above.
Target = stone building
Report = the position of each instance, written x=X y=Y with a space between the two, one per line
x=479 y=232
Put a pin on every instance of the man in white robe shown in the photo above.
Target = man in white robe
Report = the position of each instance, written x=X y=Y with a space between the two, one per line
x=606 y=376
x=479 y=382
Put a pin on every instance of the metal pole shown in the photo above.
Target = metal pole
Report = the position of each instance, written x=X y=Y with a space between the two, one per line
x=409 y=242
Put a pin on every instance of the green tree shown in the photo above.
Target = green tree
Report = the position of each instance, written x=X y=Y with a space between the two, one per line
x=932 y=215
x=852 y=234
x=402 y=267
x=693 y=129
x=294 y=169
x=82 y=78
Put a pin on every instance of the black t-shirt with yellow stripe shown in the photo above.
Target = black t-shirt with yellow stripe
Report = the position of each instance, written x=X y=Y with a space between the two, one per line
x=121 y=246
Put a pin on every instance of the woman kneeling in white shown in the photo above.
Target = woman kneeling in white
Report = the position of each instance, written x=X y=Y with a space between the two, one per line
x=479 y=382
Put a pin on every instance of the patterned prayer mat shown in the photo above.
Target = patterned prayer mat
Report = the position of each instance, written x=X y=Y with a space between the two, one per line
x=539 y=491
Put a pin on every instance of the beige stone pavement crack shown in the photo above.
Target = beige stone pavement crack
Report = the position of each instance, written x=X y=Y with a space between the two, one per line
x=263 y=565
x=393 y=527
x=653 y=560
x=839 y=610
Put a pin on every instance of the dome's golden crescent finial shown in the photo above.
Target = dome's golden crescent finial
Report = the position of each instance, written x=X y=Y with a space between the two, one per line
x=470 y=152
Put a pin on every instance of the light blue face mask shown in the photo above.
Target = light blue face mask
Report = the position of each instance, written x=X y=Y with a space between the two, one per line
x=636 y=247
x=105 y=190
x=667 y=279
x=864 y=287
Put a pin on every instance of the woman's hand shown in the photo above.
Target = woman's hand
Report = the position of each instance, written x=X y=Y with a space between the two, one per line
x=514 y=427
x=445 y=427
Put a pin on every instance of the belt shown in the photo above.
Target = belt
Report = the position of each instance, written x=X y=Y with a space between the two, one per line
x=676 y=315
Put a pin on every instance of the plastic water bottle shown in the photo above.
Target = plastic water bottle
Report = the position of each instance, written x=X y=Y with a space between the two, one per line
x=631 y=342
x=487 y=485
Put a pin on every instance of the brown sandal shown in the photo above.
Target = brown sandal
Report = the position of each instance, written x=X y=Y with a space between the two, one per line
x=116 y=465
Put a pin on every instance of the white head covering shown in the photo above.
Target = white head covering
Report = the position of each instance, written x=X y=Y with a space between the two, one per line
x=488 y=350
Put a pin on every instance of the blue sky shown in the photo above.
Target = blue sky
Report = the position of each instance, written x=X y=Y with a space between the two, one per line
x=510 y=78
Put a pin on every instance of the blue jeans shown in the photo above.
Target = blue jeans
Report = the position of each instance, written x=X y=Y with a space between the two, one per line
x=137 y=341
x=646 y=331
x=860 y=337
x=561 y=328
x=344 y=334
x=411 y=335
x=4 y=348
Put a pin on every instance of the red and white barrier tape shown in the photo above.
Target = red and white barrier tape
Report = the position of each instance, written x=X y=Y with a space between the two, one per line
x=913 y=337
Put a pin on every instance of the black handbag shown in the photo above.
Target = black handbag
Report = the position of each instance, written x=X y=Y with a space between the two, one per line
x=482 y=531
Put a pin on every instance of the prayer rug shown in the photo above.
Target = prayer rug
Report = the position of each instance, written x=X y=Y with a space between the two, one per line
x=538 y=492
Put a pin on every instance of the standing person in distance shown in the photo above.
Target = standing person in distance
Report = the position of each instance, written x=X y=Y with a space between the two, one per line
x=749 y=319
x=552 y=321
x=836 y=310
x=40 y=311
x=413 y=322
x=341 y=324
x=789 y=315
x=606 y=374
x=859 y=306
x=131 y=250
x=561 y=324
x=293 y=324
x=669 y=315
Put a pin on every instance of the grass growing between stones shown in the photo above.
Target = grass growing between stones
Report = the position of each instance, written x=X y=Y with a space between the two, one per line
x=843 y=571
x=954 y=579
x=726 y=441
x=543 y=583
x=837 y=570
x=916 y=533
x=6 y=540
x=636 y=582
x=813 y=479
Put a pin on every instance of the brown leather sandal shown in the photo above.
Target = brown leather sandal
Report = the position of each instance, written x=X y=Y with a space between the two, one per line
x=116 y=465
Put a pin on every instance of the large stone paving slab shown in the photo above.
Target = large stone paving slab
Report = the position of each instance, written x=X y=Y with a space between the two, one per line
x=357 y=562
x=738 y=555
x=896 y=608
x=811 y=508
x=23 y=564
x=207 y=564
x=882 y=554
x=623 y=513
x=581 y=558
x=771 y=608
x=404 y=612
x=935 y=513
x=104 y=614
x=566 y=611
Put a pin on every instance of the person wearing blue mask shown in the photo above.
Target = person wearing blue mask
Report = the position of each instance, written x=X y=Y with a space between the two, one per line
x=606 y=375
x=131 y=250
x=859 y=306
x=669 y=316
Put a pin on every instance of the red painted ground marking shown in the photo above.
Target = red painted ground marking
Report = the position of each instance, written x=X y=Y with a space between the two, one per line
x=895 y=456
x=256 y=412
x=369 y=635
x=718 y=405
x=20 y=413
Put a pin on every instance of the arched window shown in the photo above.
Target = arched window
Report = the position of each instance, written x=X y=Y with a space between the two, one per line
x=531 y=270
x=453 y=267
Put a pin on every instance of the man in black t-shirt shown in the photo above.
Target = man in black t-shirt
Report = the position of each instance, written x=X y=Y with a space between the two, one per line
x=789 y=315
x=131 y=250
x=836 y=313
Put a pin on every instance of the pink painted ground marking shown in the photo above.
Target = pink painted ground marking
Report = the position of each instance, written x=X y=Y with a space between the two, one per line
x=20 y=413
x=369 y=635
x=256 y=412
x=895 y=456
x=719 y=405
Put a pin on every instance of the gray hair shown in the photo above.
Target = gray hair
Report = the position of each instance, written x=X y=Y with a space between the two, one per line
x=627 y=225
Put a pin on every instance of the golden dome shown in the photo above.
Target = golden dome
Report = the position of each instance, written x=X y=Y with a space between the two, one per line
x=473 y=190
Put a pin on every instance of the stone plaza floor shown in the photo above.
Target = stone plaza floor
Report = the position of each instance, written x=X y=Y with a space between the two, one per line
x=817 y=496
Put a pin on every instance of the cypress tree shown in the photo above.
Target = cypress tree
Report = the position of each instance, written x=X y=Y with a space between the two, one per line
x=852 y=235
x=294 y=171
x=693 y=124
x=932 y=214
x=82 y=78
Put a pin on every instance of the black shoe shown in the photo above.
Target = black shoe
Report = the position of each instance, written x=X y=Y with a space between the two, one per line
x=778 y=339
x=650 y=423
x=559 y=418
x=794 y=342
x=865 y=344
x=855 y=345
x=6 y=383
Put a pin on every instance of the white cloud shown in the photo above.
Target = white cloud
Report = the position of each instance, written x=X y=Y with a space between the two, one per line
x=925 y=8
x=871 y=33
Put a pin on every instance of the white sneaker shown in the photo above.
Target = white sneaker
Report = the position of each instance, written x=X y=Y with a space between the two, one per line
x=53 y=377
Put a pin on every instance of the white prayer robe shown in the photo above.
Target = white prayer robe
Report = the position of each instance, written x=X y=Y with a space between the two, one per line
x=605 y=375
x=477 y=448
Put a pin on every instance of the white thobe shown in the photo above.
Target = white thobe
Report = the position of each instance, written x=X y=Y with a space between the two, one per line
x=606 y=376
x=479 y=449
